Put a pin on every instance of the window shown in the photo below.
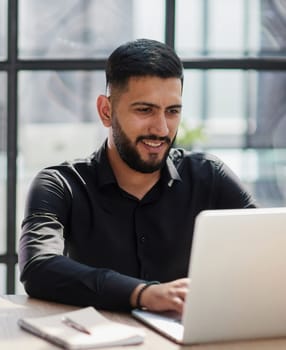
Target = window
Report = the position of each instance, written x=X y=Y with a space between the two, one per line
x=3 y=30
x=3 y=160
x=52 y=59
x=75 y=29
x=242 y=111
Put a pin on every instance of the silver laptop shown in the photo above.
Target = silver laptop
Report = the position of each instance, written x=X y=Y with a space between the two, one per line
x=238 y=279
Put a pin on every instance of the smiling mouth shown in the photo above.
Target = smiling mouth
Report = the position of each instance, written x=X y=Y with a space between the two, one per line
x=153 y=141
x=154 y=144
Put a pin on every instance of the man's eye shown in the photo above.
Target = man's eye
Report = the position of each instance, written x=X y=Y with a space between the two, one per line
x=144 y=110
x=174 y=111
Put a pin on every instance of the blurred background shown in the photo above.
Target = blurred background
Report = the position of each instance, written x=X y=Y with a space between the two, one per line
x=52 y=59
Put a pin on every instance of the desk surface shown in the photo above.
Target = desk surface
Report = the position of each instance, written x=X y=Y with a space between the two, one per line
x=12 y=337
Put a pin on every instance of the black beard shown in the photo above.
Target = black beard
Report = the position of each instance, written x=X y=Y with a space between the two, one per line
x=129 y=154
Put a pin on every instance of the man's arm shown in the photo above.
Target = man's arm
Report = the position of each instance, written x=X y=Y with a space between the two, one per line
x=52 y=276
x=45 y=271
x=230 y=192
x=48 y=274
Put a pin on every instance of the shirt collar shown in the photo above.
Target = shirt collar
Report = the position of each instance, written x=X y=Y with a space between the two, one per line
x=106 y=176
x=104 y=171
x=173 y=172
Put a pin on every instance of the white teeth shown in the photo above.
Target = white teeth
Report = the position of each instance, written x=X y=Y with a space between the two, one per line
x=152 y=144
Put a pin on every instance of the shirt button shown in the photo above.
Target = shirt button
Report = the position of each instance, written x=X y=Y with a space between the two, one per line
x=142 y=239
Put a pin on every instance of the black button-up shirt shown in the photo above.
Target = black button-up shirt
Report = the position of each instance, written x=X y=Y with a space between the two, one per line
x=85 y=241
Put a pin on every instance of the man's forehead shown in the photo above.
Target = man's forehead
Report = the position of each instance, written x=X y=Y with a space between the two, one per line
x=148 y=88
x=124 y=86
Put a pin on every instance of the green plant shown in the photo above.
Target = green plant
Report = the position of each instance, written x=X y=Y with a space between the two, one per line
x=187 y=137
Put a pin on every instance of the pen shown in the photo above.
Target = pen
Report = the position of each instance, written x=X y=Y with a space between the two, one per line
x=71 y=323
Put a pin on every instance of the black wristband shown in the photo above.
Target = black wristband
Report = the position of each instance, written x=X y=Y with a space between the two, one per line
x=139 y=295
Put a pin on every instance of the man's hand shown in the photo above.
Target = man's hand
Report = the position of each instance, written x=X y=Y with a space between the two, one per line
x=164 y=296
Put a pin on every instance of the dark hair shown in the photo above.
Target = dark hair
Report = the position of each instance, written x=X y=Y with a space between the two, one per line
x=142 y=57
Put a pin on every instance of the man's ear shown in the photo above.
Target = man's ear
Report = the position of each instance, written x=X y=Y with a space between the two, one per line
x=104 y=110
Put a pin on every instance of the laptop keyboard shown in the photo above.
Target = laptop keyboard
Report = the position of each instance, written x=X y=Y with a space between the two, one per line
x=172 y=316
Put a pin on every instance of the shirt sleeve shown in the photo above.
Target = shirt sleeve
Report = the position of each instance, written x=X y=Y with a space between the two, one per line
x=46 y=271
x=230 y=192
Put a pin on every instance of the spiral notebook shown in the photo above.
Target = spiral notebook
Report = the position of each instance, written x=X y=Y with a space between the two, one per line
x=82 y=329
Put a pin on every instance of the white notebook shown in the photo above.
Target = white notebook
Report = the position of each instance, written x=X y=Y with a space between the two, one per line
x=82 y=329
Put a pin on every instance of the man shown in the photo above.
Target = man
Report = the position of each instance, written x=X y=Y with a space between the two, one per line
x=104 y=231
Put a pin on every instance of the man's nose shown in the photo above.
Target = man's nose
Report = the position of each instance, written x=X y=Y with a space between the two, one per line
x=159 y=125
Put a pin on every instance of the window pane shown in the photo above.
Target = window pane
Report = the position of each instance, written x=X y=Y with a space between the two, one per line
x=85 y=29
x=268 y=123
x=230 y=28
x=216 y=100
x=273 y=23
x=237 y=108
x=225 y=118
x=189 y=27
x=225 y=31
x=145 y=25
x=3 y=30
x=57 y=121
x=3 y=278
x=192 y=96
x=3 y=160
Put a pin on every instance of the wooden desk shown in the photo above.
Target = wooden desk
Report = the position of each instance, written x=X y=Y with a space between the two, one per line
x=12 y=337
